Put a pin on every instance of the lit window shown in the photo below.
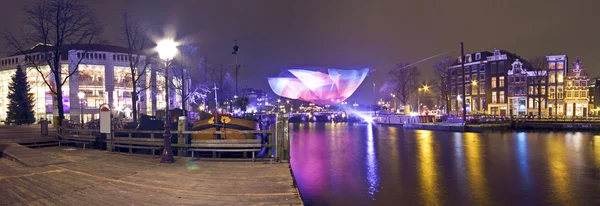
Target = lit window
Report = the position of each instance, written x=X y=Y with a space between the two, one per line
x=552 y=66
x=560 y=93
x=501 y=96
x=543 y=90
x=493 y=83
x=494 y=97
x=501 y=81
x=552 y=78
x=560 y=77
x=561 y=65
x=530 y=102
x=530 y=90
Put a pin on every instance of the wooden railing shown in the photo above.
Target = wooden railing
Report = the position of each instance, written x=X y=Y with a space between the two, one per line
x=277 y=139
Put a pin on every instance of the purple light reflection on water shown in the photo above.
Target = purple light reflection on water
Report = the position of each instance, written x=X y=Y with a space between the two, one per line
x=372 y=170
x=358 y=164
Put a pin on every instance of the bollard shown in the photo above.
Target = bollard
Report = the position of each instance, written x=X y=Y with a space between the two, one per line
x=44 y=127
x=181 y=140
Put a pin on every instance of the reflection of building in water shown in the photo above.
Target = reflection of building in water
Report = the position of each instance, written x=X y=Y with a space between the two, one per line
x=103 y=75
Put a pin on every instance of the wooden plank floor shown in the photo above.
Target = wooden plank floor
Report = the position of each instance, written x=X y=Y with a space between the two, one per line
x=26 y=134
x=27 y=156
x=93 y=177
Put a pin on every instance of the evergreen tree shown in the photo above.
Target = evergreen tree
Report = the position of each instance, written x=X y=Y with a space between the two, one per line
x=20 y=107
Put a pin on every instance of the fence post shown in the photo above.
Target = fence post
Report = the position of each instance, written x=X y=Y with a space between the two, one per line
x=282 y=138
x=181 y=140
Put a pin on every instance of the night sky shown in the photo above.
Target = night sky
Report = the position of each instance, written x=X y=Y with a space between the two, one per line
x=349 y=34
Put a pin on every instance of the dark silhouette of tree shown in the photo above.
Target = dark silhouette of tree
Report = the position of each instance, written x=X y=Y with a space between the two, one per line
x=137 y=41
x=402 y=81
x=539 y=71
x=443 y=84
x=57 y=26
x=21 y=100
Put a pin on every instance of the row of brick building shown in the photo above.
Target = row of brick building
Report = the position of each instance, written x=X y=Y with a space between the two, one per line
x=501 y=83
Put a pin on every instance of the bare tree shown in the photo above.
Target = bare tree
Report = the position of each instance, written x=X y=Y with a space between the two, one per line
x=443 y=85
x=538 y=78
x=137 y=41
x=59 y=26
x=402 y=81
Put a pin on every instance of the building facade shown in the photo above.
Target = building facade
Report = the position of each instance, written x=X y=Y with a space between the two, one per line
x=577 y=91
x=103 y=75
x=486 y=75
x=557 y=69
x=517 y=89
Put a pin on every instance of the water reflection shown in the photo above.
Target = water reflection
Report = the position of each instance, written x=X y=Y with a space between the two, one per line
x=360 y=164
x=560 y=183
x=476 y=176
x=596 y=149
x=372 y=170
x=522 y=154
x=428 y=171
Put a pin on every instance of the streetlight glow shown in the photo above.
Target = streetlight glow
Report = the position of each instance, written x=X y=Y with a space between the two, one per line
x=166 y=48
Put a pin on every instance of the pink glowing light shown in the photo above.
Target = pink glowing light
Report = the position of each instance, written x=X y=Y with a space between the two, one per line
x=317 y=85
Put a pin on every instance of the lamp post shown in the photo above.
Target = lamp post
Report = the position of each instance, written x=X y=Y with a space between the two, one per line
x=473 y=93
x=394 y=99
x=81 y=95
x=166 y=50
x=424 y=89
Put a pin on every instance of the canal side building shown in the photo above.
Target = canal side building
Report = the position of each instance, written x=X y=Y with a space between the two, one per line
x=557 y=68
x=517 y=89
x=486 y=75
x=576 y=98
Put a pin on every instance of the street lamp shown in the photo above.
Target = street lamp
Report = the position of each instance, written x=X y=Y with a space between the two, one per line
x=81 y=95
x=167 y=49
x=394 y=98
x=424 y=88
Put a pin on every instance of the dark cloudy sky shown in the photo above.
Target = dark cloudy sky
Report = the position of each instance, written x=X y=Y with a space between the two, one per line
x=348 y=34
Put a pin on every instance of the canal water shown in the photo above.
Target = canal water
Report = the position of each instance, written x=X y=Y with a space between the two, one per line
x=360 y=164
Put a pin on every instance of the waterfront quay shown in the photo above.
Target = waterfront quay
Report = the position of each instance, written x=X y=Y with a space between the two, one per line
x=34 y=170
x=94 y=177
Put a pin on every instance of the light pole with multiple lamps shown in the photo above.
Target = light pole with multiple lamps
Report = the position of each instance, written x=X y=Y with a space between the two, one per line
x=424 y=89
x=166 y=50
x=81 y=95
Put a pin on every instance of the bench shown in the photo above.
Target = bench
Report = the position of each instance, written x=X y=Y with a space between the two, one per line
x=138 y=143
x=226 y=145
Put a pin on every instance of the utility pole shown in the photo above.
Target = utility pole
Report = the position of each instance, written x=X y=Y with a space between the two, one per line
x=236 y=48
x=462 y=65
x=556 y=92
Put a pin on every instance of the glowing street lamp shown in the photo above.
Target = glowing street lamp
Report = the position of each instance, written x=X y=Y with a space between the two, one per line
x=424 y=88
x=167 y=49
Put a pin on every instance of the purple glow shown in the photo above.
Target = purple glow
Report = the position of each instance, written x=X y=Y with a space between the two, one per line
x=318 y=85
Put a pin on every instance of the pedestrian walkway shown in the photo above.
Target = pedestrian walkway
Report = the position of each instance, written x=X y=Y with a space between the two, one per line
x=92 y=177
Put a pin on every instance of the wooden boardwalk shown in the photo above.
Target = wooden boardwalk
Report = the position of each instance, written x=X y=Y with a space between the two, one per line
x=92 y=177
x=28 y=135
x=27 y=156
